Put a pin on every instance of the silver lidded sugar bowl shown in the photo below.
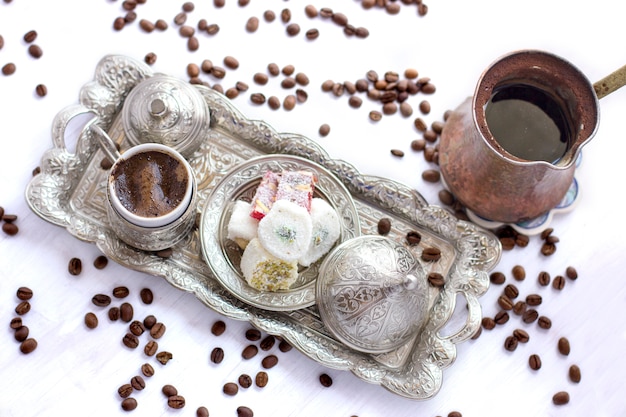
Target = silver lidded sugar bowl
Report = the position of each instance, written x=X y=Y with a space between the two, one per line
x=166 y=110
x=372 y=294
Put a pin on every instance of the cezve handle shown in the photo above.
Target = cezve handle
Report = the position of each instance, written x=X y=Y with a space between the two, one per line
x=610 y=83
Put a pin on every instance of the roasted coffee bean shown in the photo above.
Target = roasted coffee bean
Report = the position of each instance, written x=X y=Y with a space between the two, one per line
x=252 y=24
x=126 y=312
x=249 y=352
x=530 y=315
x=533 y=300
x=202 y=412
x=100 y=262
x=16 y=323
x=35 y=51
x=497 y=278
x=267 y=343
x=22 y=308
x=293 y=29
x=519 y=273
x=431 y=175
x=176 y=401
x=436 y=279
x=75 y=266
x=511 y=291
x=147 y=370
x=431 y=254
x=397 y=152
x=230 y=388
x=150 y=58
x=243 y=411
x=24 y=293
x=501 y=317
x=413 y=238
x=10 y=229
x=164 y=357
x=21 y=333
x=261 y=379
x=384 y=226
x=231 y=62
x=151 y=348
x=119 y=23
x=169 y=390
x=326 y=380
x=324 y=130
x=269 y=361
x=193 y=44
x=257 y=98
x=253 y=334
x=146 y=25
x=91 y=320
x=534 y=361
x=121 y=292
x=146 y=295
x=218 y=328
x=284 y=346
x=136 y=328
x=245 y=381
x=129 y=404
x=560 y=398
x=544 y=278
x=559 y=282
x=28 y=346
x=273 y=102
x=101 y=300
x=510 y=343
x=424 y=107
x=375 y=116
x=548 y=249
x=505 y=302
x=158 y=330
x=149 y=321
x=9 y=69
x=544 y=322
x=125 y=390
x=521 y=335
x=217 y=355
x=564 y=346
x=519 y=307
x=186 y=31
x=571 y=273
x=130 y=340
x=41 y=90
x=290 y=102
x=137 y=382
x=30 y=36
x=508 y=243
x=114 y=313
x=488 y=323
x=574 y=374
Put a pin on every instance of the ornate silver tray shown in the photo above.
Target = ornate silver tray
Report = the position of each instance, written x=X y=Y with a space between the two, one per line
x=70 y=192
x=224 y=255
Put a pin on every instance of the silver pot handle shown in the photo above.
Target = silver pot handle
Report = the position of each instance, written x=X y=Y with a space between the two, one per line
x=106 y=143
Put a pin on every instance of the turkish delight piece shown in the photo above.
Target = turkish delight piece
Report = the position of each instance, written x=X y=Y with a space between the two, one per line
x=265 y=195
x=285 y=231
x=297 y=187
x=264 y=271
x=325 y=232
x=242 y=228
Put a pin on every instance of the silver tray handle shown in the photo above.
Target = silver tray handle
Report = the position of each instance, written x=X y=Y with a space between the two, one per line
x=472 y=322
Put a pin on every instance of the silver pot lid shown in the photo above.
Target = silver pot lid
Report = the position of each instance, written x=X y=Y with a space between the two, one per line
x=166 y=110
x=372 y=294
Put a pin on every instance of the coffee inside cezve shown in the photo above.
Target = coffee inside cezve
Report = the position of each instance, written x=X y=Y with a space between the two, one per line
x=150 y=184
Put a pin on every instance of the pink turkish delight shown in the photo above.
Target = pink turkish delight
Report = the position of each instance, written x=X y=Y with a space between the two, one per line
x=297 y=187
x=265 y=195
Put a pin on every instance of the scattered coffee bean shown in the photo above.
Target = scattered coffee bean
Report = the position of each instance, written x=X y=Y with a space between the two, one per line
x=218 y=328
x=125 y=390
x=497 y=278
x=8 y=69
x=169 y=390
x=75 y=266
x=16 y=322
x=146 y=295
x=534 y=300
x=436 y=279
x=326 y=380
x=151 y=348
x=431 y=254
x=511 y=291
x=126 y=312
x=510 y=343
x=269 y=361
x=571 y=273
x=559 y=282
x=252 y=24
x=534 y=361
x=560 y=398
x=501 y=317
x=150 y=58
x=413 y=238
x=544 y=322
x=243 y=411
x=267 y=343
x=120 y=292
x=261 y=379
x=519 y=307
x=217 y=355
x=91 y=320
x=230 y=388
x=253 y=334
x=114 y=313
x=101 y=262
x=30 y=36
x=505 y=302
x=28 y=346
x=290 y=102
x=521 y=335
x=164 y=357
x=397 y=152
x=22 y=308
x=284 y=346
x=35 y=51
x=101 y=300
x=249 y=352
x=147 y=370
x=41 y=90
x=138 y=383
x=488 y=323
x=130 y=340
x=548 y=249
x=431 y=175
x=384 y=226
x=24 y=293
x=530 y=315
x=202 y=412
x=574 y=374
x=375 y=116
x=245 y=381
x=21 y=333
x=519 y=273
x=176 y=401
x=324 y=130
x=564 y=346
x=193 y=44
x=158 y=330
x=129 y=404
x=10 y=229
x=544 y=279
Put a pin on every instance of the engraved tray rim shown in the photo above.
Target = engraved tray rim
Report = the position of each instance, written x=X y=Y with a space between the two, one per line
x=49 y=195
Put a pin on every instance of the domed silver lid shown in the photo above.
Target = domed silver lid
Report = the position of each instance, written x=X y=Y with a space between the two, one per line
x=166 y=110
x=372 y=294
